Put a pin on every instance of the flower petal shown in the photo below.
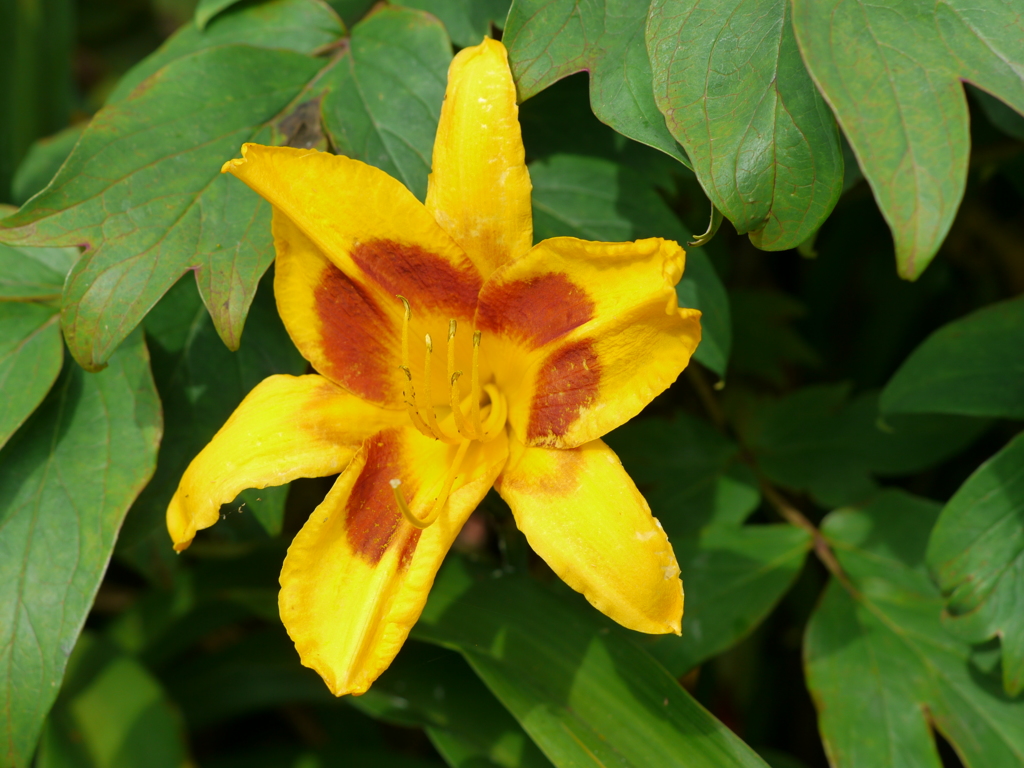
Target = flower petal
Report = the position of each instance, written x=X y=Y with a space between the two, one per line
x=286 y=427
x=357 y=575
x=587 y=335
x=479 y=189
x=362 y=239
x=582 y=513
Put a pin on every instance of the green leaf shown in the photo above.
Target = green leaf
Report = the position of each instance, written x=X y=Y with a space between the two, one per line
x=596 y=199
x=42 y=162
x=820 y=441
x=881 y=666
x=302 y=26
x=111 y=713
x=467 y=21
x=972 y=366
x=66 y=480
x=582 y=690
x=201 y=383
x=155 y=157
x=34 y=274
x=977 y=555
x=384 y=96
x=729 y=79
x=31 y=354
x=892 y=74
x=207 y=9
x=429 y=687
x=699 y=490
x=550 y=39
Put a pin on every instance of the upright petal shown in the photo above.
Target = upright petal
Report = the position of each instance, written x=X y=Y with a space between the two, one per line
x=380 y=240
x=582 y=513
x=585 y=335
x=287 y=427
x=357 y=575
x=479 y=189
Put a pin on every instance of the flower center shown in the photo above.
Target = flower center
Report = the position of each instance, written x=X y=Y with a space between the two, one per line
x=481 y=415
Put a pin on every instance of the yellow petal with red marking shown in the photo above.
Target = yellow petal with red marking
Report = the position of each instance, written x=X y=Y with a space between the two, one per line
x=582 y=513
x=587 y=335
x=287 y=427
x=357 y=575
x=479 y=188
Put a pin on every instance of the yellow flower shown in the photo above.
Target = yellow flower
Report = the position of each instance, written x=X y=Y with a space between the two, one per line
x=454 y=355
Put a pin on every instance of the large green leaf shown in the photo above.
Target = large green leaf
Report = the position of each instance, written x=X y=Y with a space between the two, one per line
x=66 y=480
x=302 y=26
x=549 y=39
x=973 y=366
x=430 y=687
x=891 y=73
x=41 y=163
x=880 y=664
x=735 y=93
x=467 y=21
x=31 y=354
x=142 y=192
x=819 y=440
x=201 y=383
x=596 y=199
x=583 y=691
x=384 y=96
x=977 y=555
x=111 y=713
x=700 y=491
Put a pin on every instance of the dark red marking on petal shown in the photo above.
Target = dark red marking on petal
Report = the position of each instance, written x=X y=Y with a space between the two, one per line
x=359 y=339
x=409 y=548
x=424 y=278
x=566 y=384
x=534 y=311
x=372 y=517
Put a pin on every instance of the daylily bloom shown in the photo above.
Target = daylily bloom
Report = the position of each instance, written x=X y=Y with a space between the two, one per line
x=453 y=355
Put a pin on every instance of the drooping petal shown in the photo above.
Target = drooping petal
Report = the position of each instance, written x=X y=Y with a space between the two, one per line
x=582 y=513
x=479 y=189
x=361 y=239
x=287 y=427
x=357 y=575
x=586 y=334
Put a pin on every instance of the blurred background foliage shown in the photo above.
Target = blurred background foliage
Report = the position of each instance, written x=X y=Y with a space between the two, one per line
x=799 y=476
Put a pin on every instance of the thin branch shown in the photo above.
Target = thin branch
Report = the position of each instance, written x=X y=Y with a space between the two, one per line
x=700 y=385
x=795 y=517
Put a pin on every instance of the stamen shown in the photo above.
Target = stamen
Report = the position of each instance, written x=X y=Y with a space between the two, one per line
x=497 y=416
x=455 y=395
x=428 y=410
x=453 y=471
x=407 y=513
x=474 y=390
x=408 y=391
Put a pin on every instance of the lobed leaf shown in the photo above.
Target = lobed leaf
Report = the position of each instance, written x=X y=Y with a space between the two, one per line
x=976 y=552
x=550 y=39
x=881 y=667
x=66 y=481
x=467 y=21
x=729 y=79
x=384 y=96
x=891 y=73
x=31 y=355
